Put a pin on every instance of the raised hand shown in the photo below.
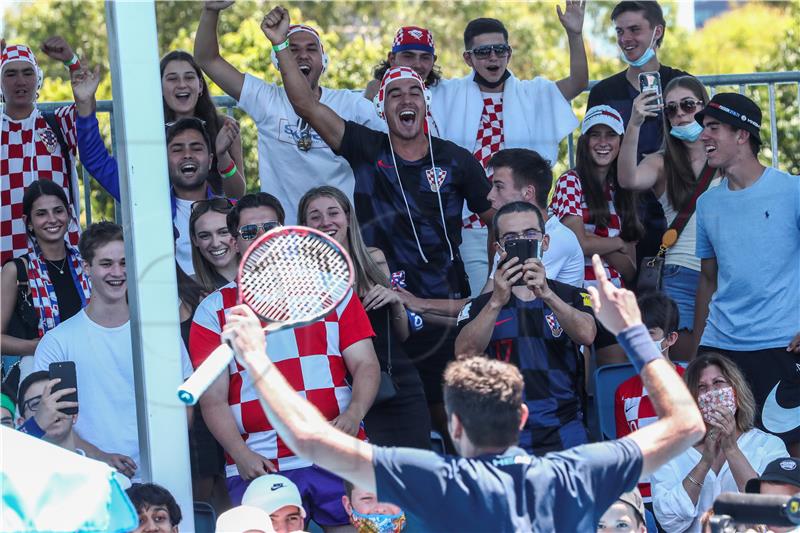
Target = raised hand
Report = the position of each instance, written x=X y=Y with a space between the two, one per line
x=51 y=404
x=645 y=106
x=275 y=25
x=84 y=83
x=572 y=17
x=247 y=336
x=228 y=133
x=57 y=48
x=536 y=278
x=507 y=274
x=615 y=308
x=217 y=5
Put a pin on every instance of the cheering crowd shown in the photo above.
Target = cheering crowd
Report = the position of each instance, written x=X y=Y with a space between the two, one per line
x=487 y=290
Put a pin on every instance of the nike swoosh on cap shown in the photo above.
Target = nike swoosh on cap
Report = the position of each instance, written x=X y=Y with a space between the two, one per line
x=778 y=419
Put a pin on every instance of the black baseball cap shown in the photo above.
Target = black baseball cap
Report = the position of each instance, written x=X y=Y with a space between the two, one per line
x=733 y=109
x=783 y=470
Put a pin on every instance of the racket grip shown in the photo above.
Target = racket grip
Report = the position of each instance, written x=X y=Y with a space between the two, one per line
x=205 y=374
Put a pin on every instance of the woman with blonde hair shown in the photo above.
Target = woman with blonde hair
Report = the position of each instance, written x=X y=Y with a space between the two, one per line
x=399 y=416
x=732 y=452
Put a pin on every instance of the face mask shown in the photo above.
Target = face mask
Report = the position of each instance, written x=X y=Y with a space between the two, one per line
x=710 y=400
x=378 y=523
x=688 y=132
x=645 y=57
x=658 y=345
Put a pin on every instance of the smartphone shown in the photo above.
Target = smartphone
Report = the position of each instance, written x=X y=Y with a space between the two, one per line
x=651 y=82
x=523 y=249
x=69 y=380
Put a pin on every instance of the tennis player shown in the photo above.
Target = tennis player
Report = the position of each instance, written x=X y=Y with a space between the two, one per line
x=493 y=485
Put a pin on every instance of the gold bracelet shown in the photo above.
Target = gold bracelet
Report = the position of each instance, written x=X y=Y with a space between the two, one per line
x=693 y=480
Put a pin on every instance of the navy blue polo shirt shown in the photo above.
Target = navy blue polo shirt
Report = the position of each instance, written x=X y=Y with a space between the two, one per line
x=561 y=492
x=384 y=218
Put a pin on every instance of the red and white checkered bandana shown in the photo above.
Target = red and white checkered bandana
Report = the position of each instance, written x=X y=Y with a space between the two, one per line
x=413 y=38
x=17 y=52
x=394 y=74
x=294 y=28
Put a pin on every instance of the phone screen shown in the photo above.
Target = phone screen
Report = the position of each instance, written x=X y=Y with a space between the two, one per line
x=69 y=380
x=650 y=82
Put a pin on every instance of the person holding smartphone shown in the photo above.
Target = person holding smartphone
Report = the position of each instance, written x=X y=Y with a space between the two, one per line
x=538 y=325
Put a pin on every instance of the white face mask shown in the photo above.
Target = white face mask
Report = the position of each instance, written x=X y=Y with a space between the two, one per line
x=658 y=344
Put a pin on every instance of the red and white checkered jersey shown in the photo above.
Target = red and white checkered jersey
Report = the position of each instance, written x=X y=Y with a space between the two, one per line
x=633 y=410
x=309 y=357
x=568 y=200
x=489 y=141
x=29 y=150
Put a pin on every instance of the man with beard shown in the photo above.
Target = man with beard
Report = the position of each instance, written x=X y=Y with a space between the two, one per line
x=491 y=109
x=410 y=189
x=292 y=156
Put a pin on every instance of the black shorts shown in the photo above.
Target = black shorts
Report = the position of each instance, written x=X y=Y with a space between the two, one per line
x=430 y=350
x=604 y=338
x=774 y=377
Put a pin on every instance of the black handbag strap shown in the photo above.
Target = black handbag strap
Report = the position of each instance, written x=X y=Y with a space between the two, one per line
x=389 y=341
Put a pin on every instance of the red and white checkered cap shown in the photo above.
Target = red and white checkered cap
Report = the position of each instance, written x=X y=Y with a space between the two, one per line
x=294 y=28
x=413 y=38
x=17 y=52
x=397 y=73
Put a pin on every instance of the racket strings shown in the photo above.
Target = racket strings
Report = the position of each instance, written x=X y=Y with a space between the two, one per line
x=292 y=277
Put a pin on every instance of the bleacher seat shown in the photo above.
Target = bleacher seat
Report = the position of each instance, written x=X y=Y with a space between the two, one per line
x=205 y=518
x=606 y=380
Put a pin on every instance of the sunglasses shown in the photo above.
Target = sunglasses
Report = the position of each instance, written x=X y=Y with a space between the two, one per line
x=304 y=142
x=249 y=232
x=218 y=204
x=688 y=105
x=483 y=52
x=202 y=122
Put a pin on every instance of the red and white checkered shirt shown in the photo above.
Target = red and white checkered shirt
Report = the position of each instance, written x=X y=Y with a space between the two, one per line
x=568 y=200
x=632 y=411
x=488 y=142
x=30 y=151
x=309 y=357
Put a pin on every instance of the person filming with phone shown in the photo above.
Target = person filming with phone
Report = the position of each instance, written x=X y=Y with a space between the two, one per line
x=536 y=324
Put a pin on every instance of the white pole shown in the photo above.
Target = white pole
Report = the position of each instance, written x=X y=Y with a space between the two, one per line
x=147 y=218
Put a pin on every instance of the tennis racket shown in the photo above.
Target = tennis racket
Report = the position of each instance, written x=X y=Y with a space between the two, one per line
x=291 y=276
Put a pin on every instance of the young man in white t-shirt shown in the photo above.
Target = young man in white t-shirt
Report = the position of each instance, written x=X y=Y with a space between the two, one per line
x=522 y=175
x=292 y=157
x=98 y=341
x=490 y=109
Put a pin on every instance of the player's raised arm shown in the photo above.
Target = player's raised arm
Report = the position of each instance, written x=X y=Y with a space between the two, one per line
x=305 y=101
x=680 y=424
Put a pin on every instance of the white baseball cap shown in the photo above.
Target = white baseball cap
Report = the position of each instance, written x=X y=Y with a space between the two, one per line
x=271 y=492
x=244 y=518
x=603 y=114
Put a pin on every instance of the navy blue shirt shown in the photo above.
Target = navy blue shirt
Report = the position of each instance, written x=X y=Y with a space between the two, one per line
x=561 y=492
x=384 y=219
x=527 y=334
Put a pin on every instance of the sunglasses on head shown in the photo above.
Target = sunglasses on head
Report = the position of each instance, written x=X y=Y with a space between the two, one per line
x=688 y=105
x=219 y=204
x=202 y=122
x=249 y=232
x=483 y=52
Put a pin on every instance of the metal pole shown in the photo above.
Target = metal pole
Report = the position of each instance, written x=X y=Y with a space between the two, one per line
x=150 y=256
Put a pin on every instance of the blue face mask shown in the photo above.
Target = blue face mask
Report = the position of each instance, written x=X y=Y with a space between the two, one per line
x=378 y=523
x=649 y=54
x=688 y=132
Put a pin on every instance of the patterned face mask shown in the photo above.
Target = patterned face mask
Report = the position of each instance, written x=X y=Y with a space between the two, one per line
x=378 y=523
x=709 y=400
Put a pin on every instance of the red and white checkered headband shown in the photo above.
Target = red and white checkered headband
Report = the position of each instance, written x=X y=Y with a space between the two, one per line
x=413 y=38
x=294 y=28
x=394 y=74
x=17 y=52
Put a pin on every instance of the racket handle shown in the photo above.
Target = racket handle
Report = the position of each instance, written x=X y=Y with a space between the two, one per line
x=205 y=374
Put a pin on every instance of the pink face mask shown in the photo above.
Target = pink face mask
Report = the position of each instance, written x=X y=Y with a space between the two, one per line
x=712 y=399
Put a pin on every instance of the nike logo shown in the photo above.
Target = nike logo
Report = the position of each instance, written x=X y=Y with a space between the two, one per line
x=499 y=322
x=778 y=419
x=383 y=165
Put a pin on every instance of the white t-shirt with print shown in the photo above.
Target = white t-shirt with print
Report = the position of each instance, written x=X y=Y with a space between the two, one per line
x=285 y=170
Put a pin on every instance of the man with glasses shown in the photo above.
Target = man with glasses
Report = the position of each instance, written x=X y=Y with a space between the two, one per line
x=538 y=325
x=315 y=359
x=40 y=412
x=292 y=156
x=490 y=109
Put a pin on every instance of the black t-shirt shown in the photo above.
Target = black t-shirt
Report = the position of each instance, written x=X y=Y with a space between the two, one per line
x=384 y=217
x=617 y=92
x=69 y=301
x=528 y=335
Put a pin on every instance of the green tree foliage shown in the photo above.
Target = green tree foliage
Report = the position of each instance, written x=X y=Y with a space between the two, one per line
x=358 y=34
